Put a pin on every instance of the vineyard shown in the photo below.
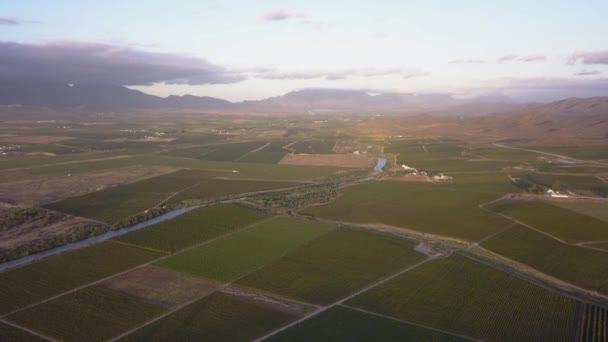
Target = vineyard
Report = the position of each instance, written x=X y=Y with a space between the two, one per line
x=594 y=324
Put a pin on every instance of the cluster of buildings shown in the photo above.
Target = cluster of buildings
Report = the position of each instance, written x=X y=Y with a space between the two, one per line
x=555 y=194
x=415 y=172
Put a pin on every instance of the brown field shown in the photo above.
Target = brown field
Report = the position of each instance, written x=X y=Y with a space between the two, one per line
x=40 y=190
x=339 y=160
x=35 y=139
x=161 y=286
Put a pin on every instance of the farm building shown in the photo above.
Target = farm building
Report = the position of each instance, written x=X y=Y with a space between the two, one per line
x=555 y=194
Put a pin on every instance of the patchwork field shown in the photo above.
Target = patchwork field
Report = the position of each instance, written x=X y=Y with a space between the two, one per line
x=109 y=205
x=462 y=296
x=222 y=188
x=333 y=266
x=53 y=275
x=193 y=227
x=92 y=314
x=416 y=206
x=231 y=152
x=563 y=224
x=344 y=324
x=566 y=182
x=231 y=257
x=580 y=266
x=320 y=146
x=218 y=317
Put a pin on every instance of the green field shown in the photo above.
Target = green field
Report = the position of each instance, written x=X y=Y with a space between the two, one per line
x=333 y=266
x=171 y=182
x=9 y=333
x=229 y=258
x=567 y=182
x=263 y=157
x=580 y=266
x=599 y=210
x=193 y=227
x=231 y=152
x=110 y=205
x=445 y=209
x=561 y=223
x=217 y=317
x=344 y=324
x=224 y=188
x=91 y=314
x=50 y=276
x=320 y=146
x=580 y=152
x=466 y=297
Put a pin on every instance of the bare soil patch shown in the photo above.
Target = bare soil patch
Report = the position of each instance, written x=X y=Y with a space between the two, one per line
x=161 y=286
x=35 y=139
x=279 y=304
x=339 y=160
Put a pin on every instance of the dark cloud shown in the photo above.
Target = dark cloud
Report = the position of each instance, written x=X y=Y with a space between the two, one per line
x=84 y=62
x=281 y=15
x=589 y=57
x=5 y=21
x=588 y=72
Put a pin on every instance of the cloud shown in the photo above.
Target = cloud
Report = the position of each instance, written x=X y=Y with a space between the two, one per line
x=332 y=75
x=518 y=58
x=507 y=58
x=6 y=21
x=281 y=15
x=588 y=73
x=467 y=61
x=532 y=58
x=87 y=62
x=589 y=57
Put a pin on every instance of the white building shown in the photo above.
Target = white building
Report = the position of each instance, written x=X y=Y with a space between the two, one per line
x=555 y=194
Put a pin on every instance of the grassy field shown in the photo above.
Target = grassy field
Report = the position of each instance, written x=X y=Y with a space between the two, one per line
x=577 y=265
x=231 y=152
x=333 y=266
x=193 y=227
x=9 y=333
x=564 y=224
x=229 y=258
x=444 y=209
x=343 y=324
x=110 y=205
x=39 y=280
x=221 y=188
x=580 y=152
x=217 y=317
x=462 y=296
x=91 y=314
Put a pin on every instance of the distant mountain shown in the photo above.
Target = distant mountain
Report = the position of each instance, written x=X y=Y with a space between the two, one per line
x=96 y=97
x=326 y=100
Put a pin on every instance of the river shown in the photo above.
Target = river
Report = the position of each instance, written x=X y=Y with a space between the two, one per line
x=94 y=239
x=380 y=164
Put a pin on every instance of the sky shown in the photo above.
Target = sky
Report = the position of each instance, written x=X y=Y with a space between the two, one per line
x=246 y=50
